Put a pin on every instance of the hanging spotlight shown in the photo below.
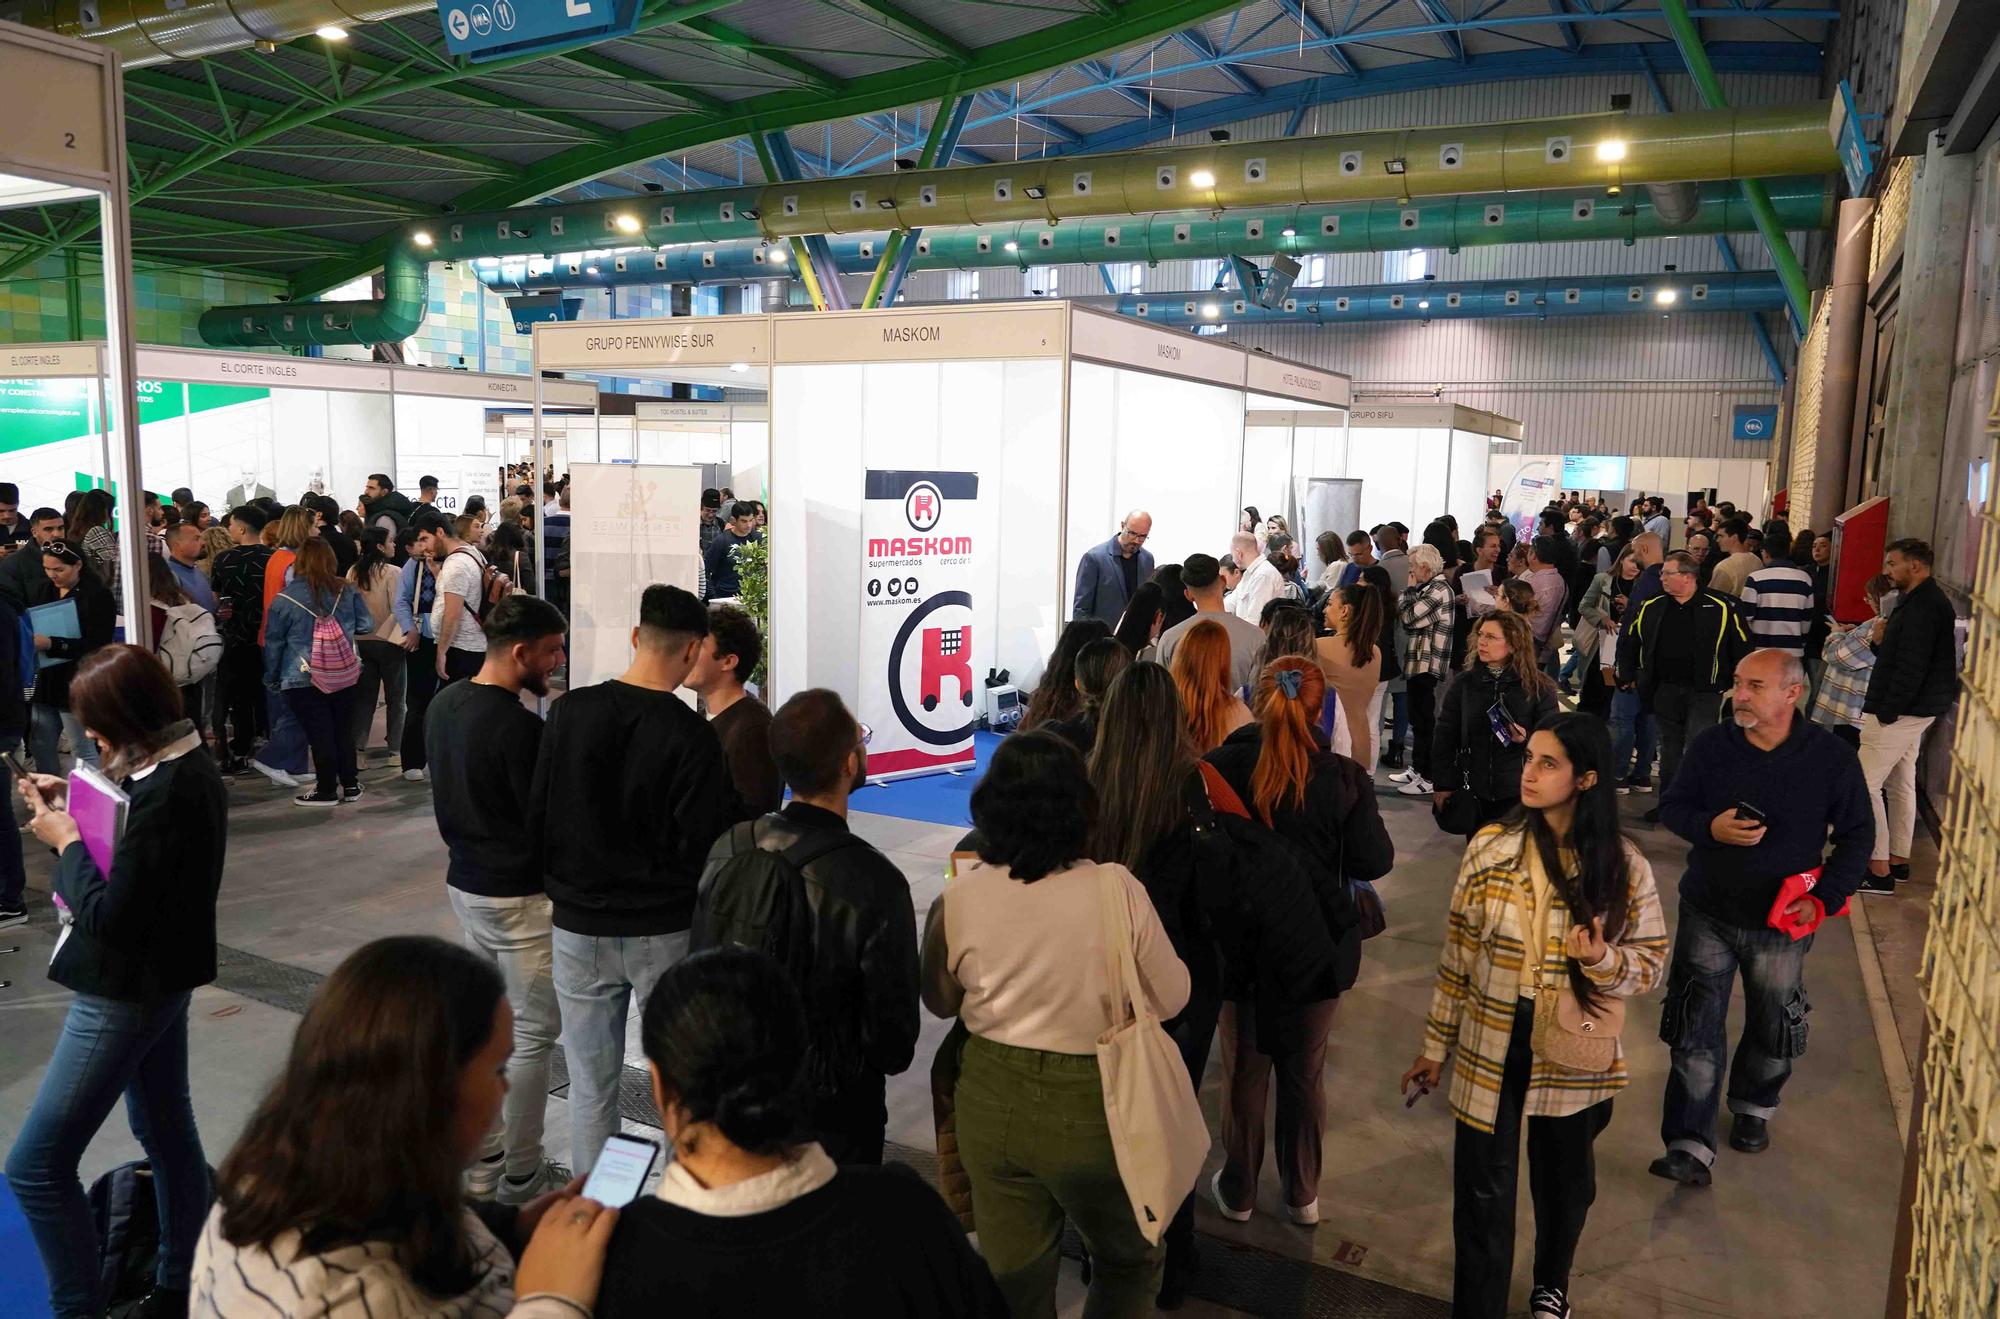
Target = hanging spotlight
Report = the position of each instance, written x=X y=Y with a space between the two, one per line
x=331 y=32
x=1423 y=304
x=626 y=223
x=1202 y=178
x=1611 y=150
x=1035 y=191
x=1289 y=232
x=1012 y=246
x=1209 y=311
x=739 y=367
x=422 y=238
x=1396 y=165
x=780 y=255
x=1666 y=297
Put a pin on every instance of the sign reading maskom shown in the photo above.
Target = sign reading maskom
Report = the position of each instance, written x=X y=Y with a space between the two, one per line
x=918 y=534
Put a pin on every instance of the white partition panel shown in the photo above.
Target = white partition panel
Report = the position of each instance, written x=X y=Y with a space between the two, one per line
x=1171 y=447
x=750 y=459
x=1267 y=469
x=1465 y=497
x=1384 y=460
x=433 y=435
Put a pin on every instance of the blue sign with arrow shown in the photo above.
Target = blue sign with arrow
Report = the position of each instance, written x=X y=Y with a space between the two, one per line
x=482 y=30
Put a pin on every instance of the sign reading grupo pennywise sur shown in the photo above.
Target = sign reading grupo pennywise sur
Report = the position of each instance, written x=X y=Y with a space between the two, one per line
x=919 y=532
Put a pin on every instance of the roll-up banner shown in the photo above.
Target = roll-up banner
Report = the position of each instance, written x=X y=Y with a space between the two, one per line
x=919 y=533
x=630 y=525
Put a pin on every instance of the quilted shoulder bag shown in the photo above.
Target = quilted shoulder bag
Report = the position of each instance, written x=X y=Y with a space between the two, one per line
x=1568 y=1032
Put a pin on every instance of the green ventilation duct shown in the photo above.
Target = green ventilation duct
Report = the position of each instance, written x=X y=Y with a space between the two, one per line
x=392 y=318
x=154 y=31
x=1125 y=192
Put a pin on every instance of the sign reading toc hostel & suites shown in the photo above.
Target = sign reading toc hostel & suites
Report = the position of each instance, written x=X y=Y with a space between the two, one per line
x=919 y=535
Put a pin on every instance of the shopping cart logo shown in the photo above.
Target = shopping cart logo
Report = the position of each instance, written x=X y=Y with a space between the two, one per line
x=930 y=670
x=923 y=506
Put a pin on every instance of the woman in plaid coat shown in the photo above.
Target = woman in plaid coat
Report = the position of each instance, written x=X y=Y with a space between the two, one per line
x=1552 y=898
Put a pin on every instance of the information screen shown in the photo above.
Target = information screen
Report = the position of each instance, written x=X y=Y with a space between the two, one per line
x=1589 y=471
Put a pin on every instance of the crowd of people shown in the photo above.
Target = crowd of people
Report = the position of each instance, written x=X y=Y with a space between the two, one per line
x=1180 y=848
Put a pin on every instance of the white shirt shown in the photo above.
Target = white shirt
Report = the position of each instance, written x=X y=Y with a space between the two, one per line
x=460 y=574
x=1261 y=584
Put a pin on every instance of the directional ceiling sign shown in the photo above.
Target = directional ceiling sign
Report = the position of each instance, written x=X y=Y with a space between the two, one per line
x=484 y=30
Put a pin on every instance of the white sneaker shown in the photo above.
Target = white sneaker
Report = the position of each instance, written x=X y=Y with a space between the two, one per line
x=277 y=776
x=1403 y=776
x=548 y=1177
x=1418 y=786
x=483 y=1177
x=1222 y=1205
x=415 y=775
x=1304 y=1215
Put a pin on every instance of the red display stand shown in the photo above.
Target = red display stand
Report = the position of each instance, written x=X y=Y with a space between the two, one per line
x=1859 y=536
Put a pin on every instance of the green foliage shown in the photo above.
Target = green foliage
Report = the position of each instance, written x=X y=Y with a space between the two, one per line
x=753 y=589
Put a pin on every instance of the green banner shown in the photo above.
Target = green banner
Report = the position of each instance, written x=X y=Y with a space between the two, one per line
x=38 y=412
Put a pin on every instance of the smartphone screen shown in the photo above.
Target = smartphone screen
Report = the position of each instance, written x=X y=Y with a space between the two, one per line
x=1502 y=725
x=620 y=1171
x=15 y=764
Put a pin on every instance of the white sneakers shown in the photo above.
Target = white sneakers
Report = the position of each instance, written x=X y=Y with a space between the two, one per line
x=415 y=775
x=1304 y=1215
x=277 y=776
x=1416 y=786
x=1402 y=776
x=1222 y=1205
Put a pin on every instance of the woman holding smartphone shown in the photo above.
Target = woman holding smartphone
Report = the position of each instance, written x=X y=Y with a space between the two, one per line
x=1553 y=901
x=343 y=1195
x=138 y=939
x=1493 y=704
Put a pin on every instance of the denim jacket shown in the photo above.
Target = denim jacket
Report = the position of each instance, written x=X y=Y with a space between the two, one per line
x=419 y=620
x=289 y=629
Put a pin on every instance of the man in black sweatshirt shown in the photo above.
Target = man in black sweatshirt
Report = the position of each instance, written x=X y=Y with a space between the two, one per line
x=1915 y=680
x=1773 y=786
x=630 y=791
x=861 y=989
x=482 y=744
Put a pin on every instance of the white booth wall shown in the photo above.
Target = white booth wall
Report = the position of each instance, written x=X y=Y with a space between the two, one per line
x=750 y=459
x=830 y=423
x=1410 y=474
x=1280 y=458
x=1169 y=446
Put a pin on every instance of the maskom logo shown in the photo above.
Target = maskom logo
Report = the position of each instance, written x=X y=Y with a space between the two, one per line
x=904 y=547
x=911 y=333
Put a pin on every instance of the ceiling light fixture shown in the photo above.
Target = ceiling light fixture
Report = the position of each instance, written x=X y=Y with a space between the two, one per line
x=331 y=32
x=626 y=223
x=1289 y=232
x=1210 y=311
x=1035 y=191
x=1424 y=304
x=780 y=255
x=1611 y=150
x=1012 y=246
x=1396 y=165
x=1666 y=297
x=751 y=213
x=590 y=270
x=422 y=238
x=1202 y=178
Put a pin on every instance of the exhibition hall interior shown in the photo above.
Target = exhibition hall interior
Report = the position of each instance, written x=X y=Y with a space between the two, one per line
x=995 y=658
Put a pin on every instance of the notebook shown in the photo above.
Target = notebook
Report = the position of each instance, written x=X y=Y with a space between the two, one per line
x=99 y=808
x=55 y=619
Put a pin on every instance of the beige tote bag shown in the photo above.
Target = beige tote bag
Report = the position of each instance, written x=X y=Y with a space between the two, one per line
x=1157 y=1132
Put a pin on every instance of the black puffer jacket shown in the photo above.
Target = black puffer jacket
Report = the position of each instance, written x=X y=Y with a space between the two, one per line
x=864 y=970
x=1916 y=662
x=1337 y=829
x=1464 y=743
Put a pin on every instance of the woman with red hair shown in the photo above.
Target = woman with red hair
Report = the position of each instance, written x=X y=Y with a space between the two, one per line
x=1323 y=804
x=1201 y=668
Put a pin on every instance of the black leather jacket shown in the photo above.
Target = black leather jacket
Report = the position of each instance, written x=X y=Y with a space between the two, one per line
x=864 y=941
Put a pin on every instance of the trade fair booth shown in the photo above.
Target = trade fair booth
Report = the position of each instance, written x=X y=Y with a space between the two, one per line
x=936 y=472
x=1532 y=479
x=1419 y=459
x=237 y=426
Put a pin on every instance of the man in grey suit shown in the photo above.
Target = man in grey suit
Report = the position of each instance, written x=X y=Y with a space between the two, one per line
x=1108 y=574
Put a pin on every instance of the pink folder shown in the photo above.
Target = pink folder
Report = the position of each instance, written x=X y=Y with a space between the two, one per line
x=99 y=807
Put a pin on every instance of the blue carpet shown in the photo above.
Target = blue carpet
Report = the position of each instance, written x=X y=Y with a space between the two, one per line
x=24 y=1290
x=931 y=798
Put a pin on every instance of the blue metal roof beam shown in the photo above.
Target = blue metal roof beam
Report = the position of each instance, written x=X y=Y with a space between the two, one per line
x=1197 y=41
x=1108 y=77
x=1316 y=31
x=1571 y=40
x=1454 y=45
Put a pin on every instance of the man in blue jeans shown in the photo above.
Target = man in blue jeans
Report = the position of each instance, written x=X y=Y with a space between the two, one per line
x=630 y=790
x=1631 y=723
x=1772 y=788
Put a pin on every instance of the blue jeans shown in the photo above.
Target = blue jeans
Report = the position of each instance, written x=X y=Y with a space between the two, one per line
x=1630 y=724
x=1708 y=953
x=597 y=976
x=111 y=1047
x=13 y=874
x=46 y=725
x=286 y=749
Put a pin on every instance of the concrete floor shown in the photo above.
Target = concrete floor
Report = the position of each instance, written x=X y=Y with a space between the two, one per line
x=1803 y=1230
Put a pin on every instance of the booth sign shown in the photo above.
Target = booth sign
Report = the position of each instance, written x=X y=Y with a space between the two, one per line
x=919 y=535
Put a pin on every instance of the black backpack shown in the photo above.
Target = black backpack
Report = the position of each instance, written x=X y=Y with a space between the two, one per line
x=754 y=896
x=1259 y=899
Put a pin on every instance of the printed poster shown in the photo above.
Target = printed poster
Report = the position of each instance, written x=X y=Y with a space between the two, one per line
x=630 y=525
x=918 y=649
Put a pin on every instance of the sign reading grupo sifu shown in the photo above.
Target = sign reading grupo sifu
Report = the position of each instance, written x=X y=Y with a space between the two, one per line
x=918 y=534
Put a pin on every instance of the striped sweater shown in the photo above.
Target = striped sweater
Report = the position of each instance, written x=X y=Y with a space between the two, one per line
x=1777 y=602
x=352 y=1282
x=1479 y=978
